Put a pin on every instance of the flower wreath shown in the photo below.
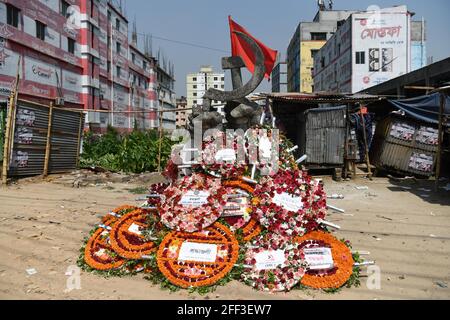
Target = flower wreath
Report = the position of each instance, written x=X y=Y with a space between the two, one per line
x=342 y=260
x=222 y=168
x=191 y=218
x=156 y=189
x=250 y=227
x=274 y=278
x=98 y=253
x=127 y=237
x=299 y=217
x=117 y=213
x=194 y=273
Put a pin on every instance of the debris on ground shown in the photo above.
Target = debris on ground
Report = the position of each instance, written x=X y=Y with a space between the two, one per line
x=441 y=284
x=84 y=178
x=362 y=188
x=31 y=271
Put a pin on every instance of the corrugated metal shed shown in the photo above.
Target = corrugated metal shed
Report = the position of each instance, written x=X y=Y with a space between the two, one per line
x=405 y=145
x=323 y=133
x=30 y=139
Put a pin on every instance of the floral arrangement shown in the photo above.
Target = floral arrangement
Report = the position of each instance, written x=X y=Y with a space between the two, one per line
x=117 y=213
x=171 y=171
x=186 y=274
x=192 y=217
x=286 y=203
x=127 y=237
x=217 y=166
x=273 y=263
x=264 y=244
x=155 y=192
x=342 y=260
x=232 y=186
x=98 y=253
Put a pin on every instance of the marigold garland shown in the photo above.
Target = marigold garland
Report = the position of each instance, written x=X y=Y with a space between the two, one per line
x=342 y=259
x=250 y=227
x=129 y=244
x=186 y=274
x=191 y=218
x=98 y=253
x=275 y=278
x=117 y=213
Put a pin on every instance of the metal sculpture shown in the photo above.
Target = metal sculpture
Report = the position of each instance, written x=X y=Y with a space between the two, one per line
x=240 y=112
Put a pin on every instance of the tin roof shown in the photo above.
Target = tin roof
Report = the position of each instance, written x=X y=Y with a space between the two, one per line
x=322 y=97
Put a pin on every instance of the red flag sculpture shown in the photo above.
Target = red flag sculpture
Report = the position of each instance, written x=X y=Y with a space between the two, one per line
x=240 y=48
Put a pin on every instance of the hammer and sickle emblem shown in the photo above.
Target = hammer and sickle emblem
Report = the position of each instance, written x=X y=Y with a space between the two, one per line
x=240 y=91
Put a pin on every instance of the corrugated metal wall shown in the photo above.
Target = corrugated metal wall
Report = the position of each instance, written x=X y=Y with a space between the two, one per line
x=30 y=140
x=323 y=133
x=405 y=145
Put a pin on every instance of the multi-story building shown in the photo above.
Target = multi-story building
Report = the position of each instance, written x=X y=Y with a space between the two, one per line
x=166 y=98
x=369 y=48
x=279 y=75
x=182 y=115
x=418 y=45
x=198 y=83
x=77 y=53
x=308 y=38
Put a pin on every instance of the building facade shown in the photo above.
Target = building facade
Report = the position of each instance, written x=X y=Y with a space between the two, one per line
x=182 y=115
x=369 y=48
x=198 y=83
x=166 y=96
x=308 y=38
x=279 y=76
x=77 y=53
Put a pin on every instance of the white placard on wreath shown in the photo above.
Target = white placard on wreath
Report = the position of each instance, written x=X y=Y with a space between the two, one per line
x=288 y=202
x=195 y=251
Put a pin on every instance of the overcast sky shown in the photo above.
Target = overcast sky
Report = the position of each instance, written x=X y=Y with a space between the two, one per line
x=204 y=22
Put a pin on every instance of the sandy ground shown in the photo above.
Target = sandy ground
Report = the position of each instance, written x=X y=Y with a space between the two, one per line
x=407 y=232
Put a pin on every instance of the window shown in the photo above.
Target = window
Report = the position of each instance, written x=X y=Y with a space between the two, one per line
x=12 y=15
x=195 y=101
x=222 y=86
x=216 y=86
x=133 y=57
x=194 y=86
x=194 y=94
x=71 y=45
x=40 y=30
x=222 y=79
x=118 y=47
x=360 y=57
x=144 y=65
x=319 y=36
x=109 y=15
x=64 y=7
x=117 y=24
x=118 y=71
x=108 y=66
x=194 y=79
x=313 y=52
x=215 y=78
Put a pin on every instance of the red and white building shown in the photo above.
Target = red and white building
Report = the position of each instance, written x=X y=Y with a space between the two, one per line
x=77 y=52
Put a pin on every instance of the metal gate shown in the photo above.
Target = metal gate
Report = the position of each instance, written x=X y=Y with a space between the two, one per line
x=45 y=139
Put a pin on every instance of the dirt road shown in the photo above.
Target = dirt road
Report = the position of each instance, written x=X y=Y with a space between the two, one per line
x=405 y=227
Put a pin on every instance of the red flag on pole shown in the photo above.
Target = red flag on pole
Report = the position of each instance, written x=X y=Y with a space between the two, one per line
x=240 y=48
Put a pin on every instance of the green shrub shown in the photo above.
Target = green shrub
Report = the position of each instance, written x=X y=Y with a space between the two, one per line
x=135 y=152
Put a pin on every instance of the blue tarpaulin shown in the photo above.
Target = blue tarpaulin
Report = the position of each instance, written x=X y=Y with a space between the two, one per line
x=424 y=108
